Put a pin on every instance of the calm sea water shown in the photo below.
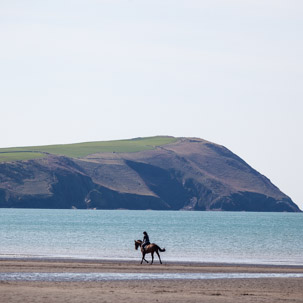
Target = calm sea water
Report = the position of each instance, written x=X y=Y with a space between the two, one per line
x=233 y=237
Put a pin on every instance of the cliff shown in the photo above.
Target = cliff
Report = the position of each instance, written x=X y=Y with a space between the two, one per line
x=181 y=174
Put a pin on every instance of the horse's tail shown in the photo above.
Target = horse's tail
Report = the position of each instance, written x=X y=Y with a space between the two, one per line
x=162 y=250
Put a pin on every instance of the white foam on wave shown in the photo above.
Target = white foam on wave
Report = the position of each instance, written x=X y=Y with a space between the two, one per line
x=95 y=277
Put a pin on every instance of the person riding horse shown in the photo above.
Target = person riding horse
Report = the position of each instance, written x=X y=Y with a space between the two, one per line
x=145 y=240
x=148 y=248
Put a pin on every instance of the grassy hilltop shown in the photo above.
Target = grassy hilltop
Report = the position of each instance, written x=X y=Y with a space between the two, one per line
x=78 y=150
x=168 y=174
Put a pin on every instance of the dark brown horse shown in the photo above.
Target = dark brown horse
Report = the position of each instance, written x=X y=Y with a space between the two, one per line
x=149 y=249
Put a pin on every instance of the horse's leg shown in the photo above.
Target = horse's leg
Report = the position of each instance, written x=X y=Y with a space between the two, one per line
x=152 y=254
x=143 y=258
x=159 y=256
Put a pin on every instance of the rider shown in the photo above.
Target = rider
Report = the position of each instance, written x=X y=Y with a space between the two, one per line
x=145 y=240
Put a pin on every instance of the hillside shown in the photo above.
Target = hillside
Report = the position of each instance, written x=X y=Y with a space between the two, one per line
x=83 y=149
x=145 y=173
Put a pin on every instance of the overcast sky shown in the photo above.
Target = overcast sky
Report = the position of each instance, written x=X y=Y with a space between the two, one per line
x=229 y=71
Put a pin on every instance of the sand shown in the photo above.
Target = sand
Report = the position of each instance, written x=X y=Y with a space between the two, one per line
x=222 y=290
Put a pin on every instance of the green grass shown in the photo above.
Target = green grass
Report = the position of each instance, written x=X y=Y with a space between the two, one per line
x=78 y=150
x=17 y=156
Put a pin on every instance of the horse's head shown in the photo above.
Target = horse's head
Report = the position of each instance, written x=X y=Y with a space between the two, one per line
x=137 y=244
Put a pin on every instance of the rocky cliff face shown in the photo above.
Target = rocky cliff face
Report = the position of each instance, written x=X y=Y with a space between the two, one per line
x=190 y=174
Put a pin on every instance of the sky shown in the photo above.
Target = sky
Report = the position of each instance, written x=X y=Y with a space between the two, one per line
x=228 y=71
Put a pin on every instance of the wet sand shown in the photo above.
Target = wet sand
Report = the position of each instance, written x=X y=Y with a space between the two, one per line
x=221 y=290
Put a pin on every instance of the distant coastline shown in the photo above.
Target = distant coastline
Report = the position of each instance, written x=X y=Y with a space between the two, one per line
x=160 y=173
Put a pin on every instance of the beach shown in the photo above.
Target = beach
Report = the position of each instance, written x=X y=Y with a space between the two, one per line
x=157 y=290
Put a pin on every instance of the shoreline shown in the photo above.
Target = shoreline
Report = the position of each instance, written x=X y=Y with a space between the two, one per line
x=32 y=257
x=138 y=260
x=227 y=290
x=100 y=265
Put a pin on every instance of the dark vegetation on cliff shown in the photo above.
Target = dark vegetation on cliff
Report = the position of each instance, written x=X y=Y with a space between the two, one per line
x=163 y=173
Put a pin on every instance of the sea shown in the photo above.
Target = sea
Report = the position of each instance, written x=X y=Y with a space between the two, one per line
x=207 y=237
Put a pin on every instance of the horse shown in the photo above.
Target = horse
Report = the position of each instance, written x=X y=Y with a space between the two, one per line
x=149 y=249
